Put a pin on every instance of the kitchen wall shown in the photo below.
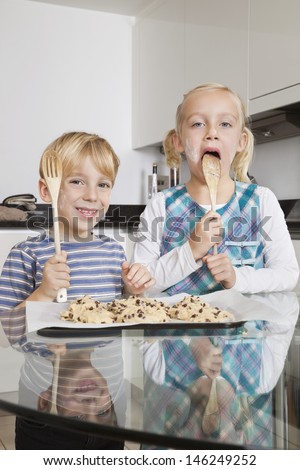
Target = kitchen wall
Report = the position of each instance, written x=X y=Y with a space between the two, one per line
x=65 y=69
x=277 y=166
x=68 y=69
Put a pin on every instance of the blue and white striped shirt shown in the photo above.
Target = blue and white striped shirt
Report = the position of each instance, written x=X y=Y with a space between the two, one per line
x=95 y=268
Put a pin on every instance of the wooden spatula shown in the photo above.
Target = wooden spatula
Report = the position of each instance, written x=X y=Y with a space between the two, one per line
x=211 y=418
x=211 y=166
x=52 y=170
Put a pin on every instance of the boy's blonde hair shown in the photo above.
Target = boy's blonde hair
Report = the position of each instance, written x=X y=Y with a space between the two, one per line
x=74 y=147
x=242 y=160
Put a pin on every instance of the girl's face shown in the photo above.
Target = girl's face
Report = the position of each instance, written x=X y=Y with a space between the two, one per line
x=211 y=123
x=84 y=198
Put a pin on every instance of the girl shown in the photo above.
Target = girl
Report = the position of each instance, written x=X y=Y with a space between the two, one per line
x=178 y=229
x=88 y=264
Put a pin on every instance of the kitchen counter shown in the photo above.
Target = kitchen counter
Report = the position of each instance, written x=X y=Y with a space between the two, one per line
x=122 y=216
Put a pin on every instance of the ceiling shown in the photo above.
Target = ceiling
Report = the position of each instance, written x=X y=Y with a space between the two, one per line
x=121 y=7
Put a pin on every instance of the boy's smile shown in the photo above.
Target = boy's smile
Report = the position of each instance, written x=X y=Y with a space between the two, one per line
x=87 y=212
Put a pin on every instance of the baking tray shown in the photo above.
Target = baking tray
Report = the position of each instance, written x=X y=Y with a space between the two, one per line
x=45 y=317
x=56 y=331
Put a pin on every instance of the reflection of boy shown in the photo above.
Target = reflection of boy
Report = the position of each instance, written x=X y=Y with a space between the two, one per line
x=90 y=388
x=82 y=391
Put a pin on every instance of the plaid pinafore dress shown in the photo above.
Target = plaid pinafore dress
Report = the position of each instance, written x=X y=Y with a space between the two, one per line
x=242 y=239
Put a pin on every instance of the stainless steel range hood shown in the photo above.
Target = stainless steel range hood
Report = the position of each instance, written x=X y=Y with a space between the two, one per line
x=276 y=124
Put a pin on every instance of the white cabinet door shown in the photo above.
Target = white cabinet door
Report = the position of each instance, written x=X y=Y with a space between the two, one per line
x=274 y=61
x=158 y=72
x=177 y=46
x=216 y=44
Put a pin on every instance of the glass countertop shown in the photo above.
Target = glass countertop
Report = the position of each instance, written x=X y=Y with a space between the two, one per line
x=218 y=387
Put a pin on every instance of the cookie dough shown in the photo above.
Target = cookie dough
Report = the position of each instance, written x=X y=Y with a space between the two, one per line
x=87 y=310
x=194 y=309
x=136 y=309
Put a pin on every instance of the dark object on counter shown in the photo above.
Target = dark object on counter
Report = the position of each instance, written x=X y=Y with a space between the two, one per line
x=25 y=202
x=252 y=179
x=123 y=216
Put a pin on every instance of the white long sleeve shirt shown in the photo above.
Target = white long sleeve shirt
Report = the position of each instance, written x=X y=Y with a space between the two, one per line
x=281 y=270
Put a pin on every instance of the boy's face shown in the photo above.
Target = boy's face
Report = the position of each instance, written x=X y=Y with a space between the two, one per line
x=84 y=198
x=211 y=123
x=82 y=391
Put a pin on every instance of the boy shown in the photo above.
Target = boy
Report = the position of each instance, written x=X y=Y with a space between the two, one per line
x=88 y=264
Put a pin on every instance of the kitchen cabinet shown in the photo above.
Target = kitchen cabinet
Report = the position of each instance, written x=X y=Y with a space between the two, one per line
x=274 y=65
x=177 y=46
x=158 y=73
x=216 y=43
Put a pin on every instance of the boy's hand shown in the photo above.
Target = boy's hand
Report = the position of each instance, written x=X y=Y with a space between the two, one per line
x=207 y=232
x=221 y=269
x=56 y=275
x=136 y=278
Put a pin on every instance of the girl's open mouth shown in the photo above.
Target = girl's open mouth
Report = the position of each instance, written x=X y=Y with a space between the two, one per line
x=213 y=153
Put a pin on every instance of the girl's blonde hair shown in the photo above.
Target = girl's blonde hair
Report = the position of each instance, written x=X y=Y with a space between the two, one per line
x=242 y=160
x=173 y=158
x=74 y=147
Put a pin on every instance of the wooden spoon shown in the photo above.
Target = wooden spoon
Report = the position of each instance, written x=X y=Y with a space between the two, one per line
x=211 y=166
x=53 y=409
x=52 y=170
x=211 y=417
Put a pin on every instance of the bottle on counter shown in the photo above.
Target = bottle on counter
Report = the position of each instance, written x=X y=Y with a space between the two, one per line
x=173 y=158
x=153 y=185
x=174 y=176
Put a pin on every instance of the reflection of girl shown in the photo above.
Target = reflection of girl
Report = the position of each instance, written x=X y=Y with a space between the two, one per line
x=177 y=406
x=246 y=369
x=90 y=388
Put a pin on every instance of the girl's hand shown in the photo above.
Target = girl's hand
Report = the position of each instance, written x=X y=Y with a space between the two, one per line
x=207 y=232
x=207 y=356
x=221 y=269
x=56 y=275
x=136 y=278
